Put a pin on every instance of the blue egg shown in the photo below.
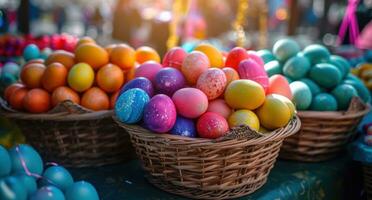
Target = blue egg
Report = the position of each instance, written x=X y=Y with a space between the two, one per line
x=141 y=83
x=29 y=155
x=28 y=182
x=130 y=105
x=30 y=52
x=12 y=189
x=184 y=127
x=48 y=193
x=57 y=176
x=5 y=166
x=11 y=68
x=81 y=191
x=7 y=79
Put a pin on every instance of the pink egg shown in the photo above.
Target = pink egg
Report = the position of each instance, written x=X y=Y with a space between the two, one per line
x=220 y=107
x=278 y=84
x=174 y=58
x=212 y=82
x=253 y=55
x=231 y=74
x=148 y=70
x=249 y=69
x=190 y=102
x=212 y=125
x=235 y=56
x=194 y=65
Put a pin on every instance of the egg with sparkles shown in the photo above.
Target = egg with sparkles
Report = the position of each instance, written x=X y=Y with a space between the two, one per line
x=235 y=56
x=31 y=52
x=184 y=127
x=130 y=105
x=141 y=83
x=174 y=58
x=168 y=80
x=160 y=114
x=12 y=188
x=57 y=176
x=212 y=125
x=48 y=193
x=254 y=56
x=25 y=154
x=5 y=166
x=81 y=190
x=220 y=107
x=194 y=65
x=190 y=102
x=231 y=74
x=212 y=82
x=249 y=69
x=148 y=70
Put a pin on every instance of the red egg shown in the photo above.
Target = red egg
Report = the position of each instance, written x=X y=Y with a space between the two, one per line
x=212 y=82
x=278 y=84
x=220 y=107
x=148 y=70
x=174 y=58
x=235 y=56
x=231 y=74
x=212 y=125
x=194 y=65
x=249 y=69
x=253 y=55
x=190 y=102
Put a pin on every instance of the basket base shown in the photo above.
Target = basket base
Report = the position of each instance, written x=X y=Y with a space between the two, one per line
x=295 y=156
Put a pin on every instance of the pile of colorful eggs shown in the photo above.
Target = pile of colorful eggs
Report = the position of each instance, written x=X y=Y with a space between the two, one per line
x=203 y=94
x=22 y=176
x=364 y=72
x=318 y=80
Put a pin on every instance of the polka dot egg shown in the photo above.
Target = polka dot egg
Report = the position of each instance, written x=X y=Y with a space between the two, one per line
x=212 y=82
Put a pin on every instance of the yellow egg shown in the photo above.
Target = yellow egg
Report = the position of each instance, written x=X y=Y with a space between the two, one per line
x=274 y=113
x=263 y=130
x=7 y=140
x=244 y=117
x=289 y=103
x=80 y=77
x=244 y=94
x=214 y=55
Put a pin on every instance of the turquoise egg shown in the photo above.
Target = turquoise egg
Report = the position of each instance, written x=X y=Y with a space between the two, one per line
x=81 y=191
x=29 y=155
x=48 y=193
x=45 y=53
x=12 y=189
x=302 y=96
x=289 y=79
x=273 y=67
x=342 y=62
x=343 y=94
x=323 y=102
x=5 y=166
x=316 y=53
x=325 y=75
x=130 y=105
x=296 y=67
x=11 y=68
x=7 y=79
x=266 y=55
x=283 y=49
x=28 y=182
x=30 y=52
x=362 y=90
x=57 y=176
x=314 y=88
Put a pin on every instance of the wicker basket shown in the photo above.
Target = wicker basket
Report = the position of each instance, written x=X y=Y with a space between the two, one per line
x=73 y=136
x=367 y=175
x=323 y=135
x=232 y=166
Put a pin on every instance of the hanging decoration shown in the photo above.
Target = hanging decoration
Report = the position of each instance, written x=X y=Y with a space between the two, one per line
x=180 y=9
x=350 y=23
x=240 y=20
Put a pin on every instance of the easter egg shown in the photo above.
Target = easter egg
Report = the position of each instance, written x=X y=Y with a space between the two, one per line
x=244 y=94
x=67 y=59
x=272 y=68
x=285 y=48
x=85 y=40
x=148 y=70
x=231 y=74
x=289 y=80
x=338 y=65
x=249 y=69
x=28 y=182
x=168 y=80
x=212 y=125
x=266 y=55
x=301 y=95
x=34 y=61
x=184 y=127
x=25 y=154
x=48 y=193
x=7 y=79
x=145 y=53
x=81 y=190
x=288 y=102
x=214 y=55
x=140 y=82
x=110 y=47
x=57 y=176
x=325 y=75
x=110 y=78
x=316 y=53
x=12 y=189
x=160 y=114
x=80 y=77
x=194 y=65
x=314 y=88
x=212 y=82
x=11 y=89
x=278 y=84
x=220 y=107
x=174 y=58
x=244 y=117
x=30 y=52
x=343 y=94
x=37 y=101
x=254 y=56
x=123 y=56
x=363 y=92
x=45 y=53
x=63 y=94
x=5 y=166
x=130 y=105
x=323 y=102
x=130 y=73
x=274 y=113
x=113 y=99
x=54 y=76
x=16 y=99
x=11 y=68
x=235 y=56
x=296 y=67
x=190 y=102
x=32 y=74
x=95 y=99
x=342 y=62
x=91 y=54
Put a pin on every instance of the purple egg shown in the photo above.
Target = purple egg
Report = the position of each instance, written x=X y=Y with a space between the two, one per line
x=168 y=80
x=148 y=70
x=160 y=114
x=141 y=83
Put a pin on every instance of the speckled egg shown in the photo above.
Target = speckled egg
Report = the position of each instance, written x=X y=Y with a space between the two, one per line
x=212 y=82
x=194 y=65
x=184 y=127
x=254 y=56
x=249 y=69
x=168 y=80
x=130 y=105
x=160 y=114
x=231 y=74
x=220 y=107
x=148 y=70
x=235 y=56
x=141 y=83
x=174 y=58
x=190 y=102
x=212 y=125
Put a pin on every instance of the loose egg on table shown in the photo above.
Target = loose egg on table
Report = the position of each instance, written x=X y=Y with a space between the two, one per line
x=249 y=69
x=212 y=82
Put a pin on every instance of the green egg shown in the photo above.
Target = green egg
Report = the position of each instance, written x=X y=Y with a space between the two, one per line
x=325 y=75
x=343 y=94
x=314 y=88
x=362 y=90
x=323 y=102
x=316 y=53
x=342 y=61
x=339 y=66
x=283 y=49
x=266 y=55
x=301 y=95
x=296 y=67
x=273 y=67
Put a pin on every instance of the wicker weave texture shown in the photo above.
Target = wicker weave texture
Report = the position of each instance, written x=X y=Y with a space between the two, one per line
x=367 y=176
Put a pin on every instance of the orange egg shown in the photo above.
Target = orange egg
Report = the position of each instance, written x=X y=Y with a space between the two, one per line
x=110 y=78
x=67 y=59
x=110 y=47
x=40 y=61
x=95 y=99
x=11 y=89
x=123 y=56
x=64 y=93
x=16 y=99
x=231 y=74
x=54 y=76
x=31 y=75
x=37 y=101
x=91 y=54
x=145 y=53
x=113 y=98
x=130 y=73
x=85 y=40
